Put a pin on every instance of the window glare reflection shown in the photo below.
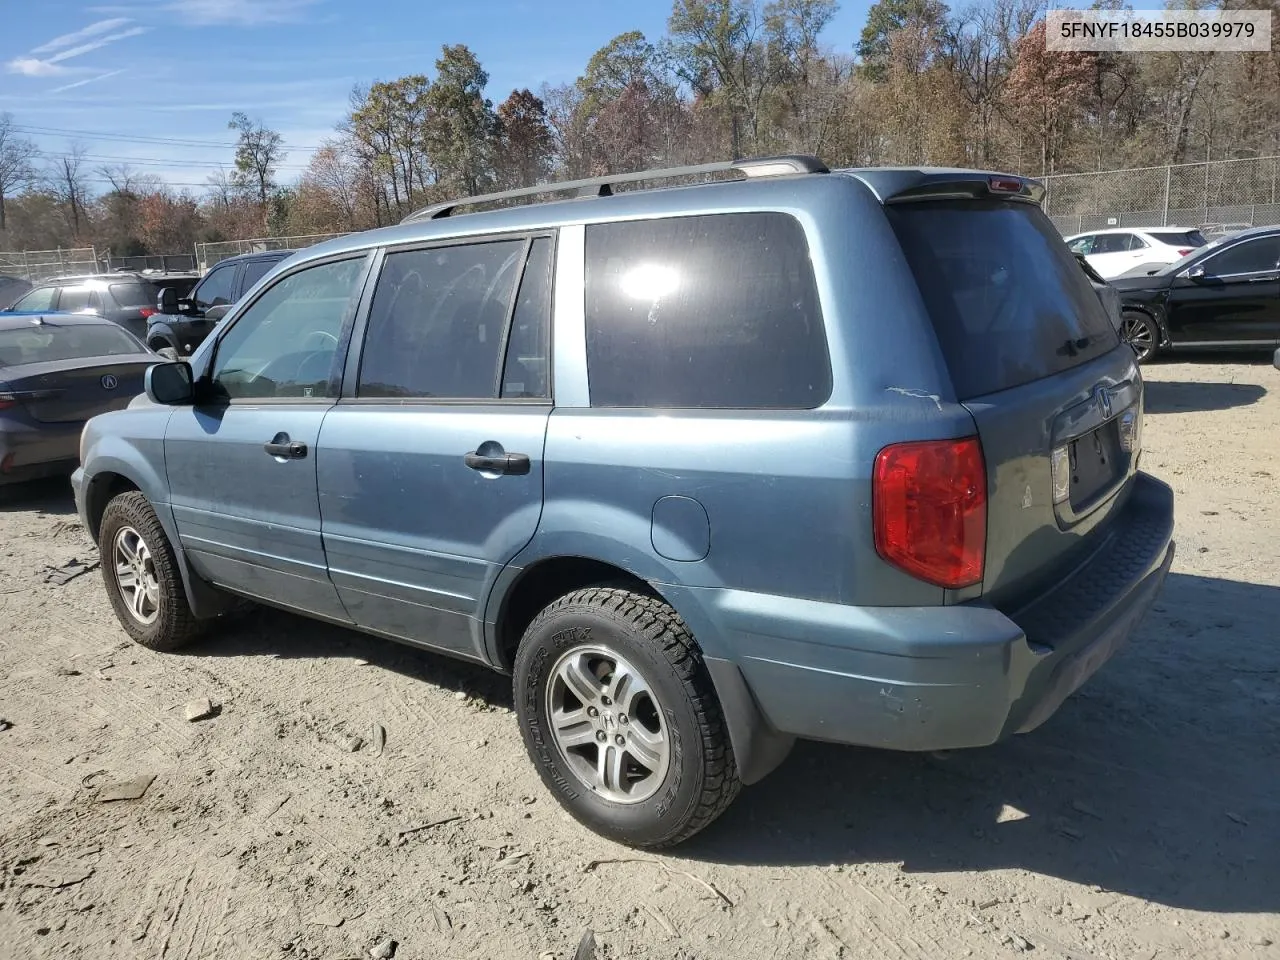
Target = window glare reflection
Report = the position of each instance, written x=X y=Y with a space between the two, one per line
x=650 y=281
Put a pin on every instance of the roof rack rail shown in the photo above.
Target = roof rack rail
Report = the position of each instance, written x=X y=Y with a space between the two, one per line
x=603 y=186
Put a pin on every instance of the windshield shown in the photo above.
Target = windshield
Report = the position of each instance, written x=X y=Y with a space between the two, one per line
x=46 y=343
x=1008 y=301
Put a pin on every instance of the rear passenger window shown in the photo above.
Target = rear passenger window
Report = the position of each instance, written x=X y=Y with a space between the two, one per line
x=134 y=294
x=253 y=271
x=705 y=312
x=436 y=327
x=76 y=299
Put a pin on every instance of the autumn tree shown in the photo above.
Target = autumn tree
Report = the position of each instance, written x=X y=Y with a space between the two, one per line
x=886 y=17
x=524 y=140
x=1046 y=92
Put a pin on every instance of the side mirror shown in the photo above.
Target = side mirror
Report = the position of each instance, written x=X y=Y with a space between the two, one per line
x=170 y=384
x=168 y=300
x=217 y=312
x=1195 y=273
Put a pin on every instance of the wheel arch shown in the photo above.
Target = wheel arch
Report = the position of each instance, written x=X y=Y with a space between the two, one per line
x=1156 y=316
x=521 y=592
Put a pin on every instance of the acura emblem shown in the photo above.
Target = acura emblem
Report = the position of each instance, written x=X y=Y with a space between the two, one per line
x=109 y=382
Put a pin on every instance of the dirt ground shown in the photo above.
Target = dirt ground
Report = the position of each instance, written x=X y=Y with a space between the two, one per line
x=1143 y=821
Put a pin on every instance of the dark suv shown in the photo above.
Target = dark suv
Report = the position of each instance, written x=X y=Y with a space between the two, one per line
x=124 y=298
x=183 y=322
x=844 y=455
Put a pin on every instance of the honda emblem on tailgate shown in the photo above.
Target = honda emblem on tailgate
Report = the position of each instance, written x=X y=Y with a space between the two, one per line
x=109 y=382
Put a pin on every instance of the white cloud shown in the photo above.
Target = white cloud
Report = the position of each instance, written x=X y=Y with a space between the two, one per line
x=92 y=30
x=97 y=44
x=241 y=13
x=88 y=80
x=33 y=67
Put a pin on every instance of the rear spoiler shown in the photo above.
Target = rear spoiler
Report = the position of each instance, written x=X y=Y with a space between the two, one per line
x=892 y=185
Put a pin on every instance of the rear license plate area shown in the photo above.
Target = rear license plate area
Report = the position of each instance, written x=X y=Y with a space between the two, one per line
x=1096 y=463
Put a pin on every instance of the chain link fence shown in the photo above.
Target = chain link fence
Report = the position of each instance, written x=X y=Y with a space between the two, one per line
x=207 y=254
x=1218 y=197
x=36 y=265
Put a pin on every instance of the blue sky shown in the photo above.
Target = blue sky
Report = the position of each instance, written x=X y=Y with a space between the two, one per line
x=151 y=72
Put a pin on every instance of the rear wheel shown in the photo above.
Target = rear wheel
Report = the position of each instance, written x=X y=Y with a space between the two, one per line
x=1139 y=331
x=141 y=575
x=620 y=717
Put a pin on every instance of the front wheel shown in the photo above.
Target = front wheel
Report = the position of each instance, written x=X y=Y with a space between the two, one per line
x=1139 y=331
x=169 y=353
x=619 y=715
x=142 y=577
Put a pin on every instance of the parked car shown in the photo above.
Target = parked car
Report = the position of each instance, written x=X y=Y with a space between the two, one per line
x=1115 y=251
x=124 y=298
x=702 y=501
x=1222 y=296
x=183 y=322
x=57 y=371
x=11 y=288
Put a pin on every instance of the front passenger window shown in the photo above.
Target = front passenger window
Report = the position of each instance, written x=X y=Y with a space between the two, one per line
x=285 y=344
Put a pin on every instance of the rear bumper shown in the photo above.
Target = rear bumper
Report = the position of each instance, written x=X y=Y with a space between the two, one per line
x=33 y=452
x=949 y=677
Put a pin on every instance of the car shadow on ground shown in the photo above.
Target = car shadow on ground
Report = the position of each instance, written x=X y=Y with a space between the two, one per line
x=1160 y=779
x=52 y=496
x=1181 y=396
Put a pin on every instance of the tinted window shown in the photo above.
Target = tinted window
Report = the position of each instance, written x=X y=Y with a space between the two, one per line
x=1009 y=304
x=1081 y=245
x=1185 y=238
x=1137 y=243
x=714 y=311
x=216 y=289
x=134 y=294
x=527 y=372
x=437 y=321
x=253 y=271
x=1110 y=243
x=1251 y=256
x=76 y=299
x=285 y=343
x=49 y=342
x=41 y=298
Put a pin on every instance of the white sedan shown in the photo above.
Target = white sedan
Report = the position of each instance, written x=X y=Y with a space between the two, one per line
x=1118 y=250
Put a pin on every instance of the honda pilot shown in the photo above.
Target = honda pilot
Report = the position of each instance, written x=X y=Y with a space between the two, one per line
x=707 y=467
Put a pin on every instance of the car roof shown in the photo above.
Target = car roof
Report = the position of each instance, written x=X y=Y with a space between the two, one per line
x=1173 y=227
x=256 y=255
x=790 y=191
x=13 y=320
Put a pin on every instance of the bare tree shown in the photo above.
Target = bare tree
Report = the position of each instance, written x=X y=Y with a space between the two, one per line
x=259 y=152
x=68 y=182
x=17 y=162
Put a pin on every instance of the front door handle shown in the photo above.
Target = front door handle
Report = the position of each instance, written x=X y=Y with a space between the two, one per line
x=281 y=446
x=509 y=464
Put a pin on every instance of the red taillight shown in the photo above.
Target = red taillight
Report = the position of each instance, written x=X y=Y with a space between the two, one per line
x=929 y=501
x=1183 y=253
x=147 y=312
x=1004 y=185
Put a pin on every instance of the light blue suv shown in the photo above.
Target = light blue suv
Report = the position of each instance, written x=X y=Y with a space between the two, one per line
x=844 y=455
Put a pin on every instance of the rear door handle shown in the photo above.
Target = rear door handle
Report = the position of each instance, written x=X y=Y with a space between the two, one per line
x=509 y=464
x=281 y=446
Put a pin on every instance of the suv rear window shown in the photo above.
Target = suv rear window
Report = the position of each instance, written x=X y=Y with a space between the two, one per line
x=1008 y=301
x=715 y=311
x=134 y=294
x=1175 y=238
